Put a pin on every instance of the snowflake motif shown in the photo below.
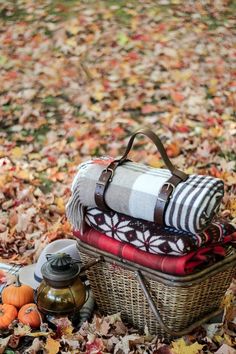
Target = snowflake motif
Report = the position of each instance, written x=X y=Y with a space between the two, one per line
x=158 y=244
x=143 y=240
x=112 y=226
x=147 y=238
x=115 y=228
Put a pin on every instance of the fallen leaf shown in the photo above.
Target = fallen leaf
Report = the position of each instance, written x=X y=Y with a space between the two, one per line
x=3 y=343
x=177 y=97
x=180 y=347
x=225 y=349
x=60 y=204
x=17 y=153
x=64 y=326
x=25 y=175
x=102 y=326
x=149 y=108
x=52 y=345
x=173 y=150
x=122 y=39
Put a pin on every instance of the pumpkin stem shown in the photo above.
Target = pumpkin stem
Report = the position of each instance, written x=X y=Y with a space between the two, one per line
x=34 y=308
x=17 y=283
x=30 y=309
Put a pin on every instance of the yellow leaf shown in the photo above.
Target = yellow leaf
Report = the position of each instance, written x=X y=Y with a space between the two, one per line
x=95 y=108
x=52 y=346
x=154 y=162
x=38 y=334
x=233 y=206
x=134 y=23
x=3 y=181
x=23 y=175
x=213 y=86
x=198 y=29
x=71 y=42
x=34 y=156
x=55 y=226
x=227 y=300
x=98 y=95
x=180 y=347
x=213 y=82
x=17 y=152
x=133 y=80
x=229 y=340
x=226 y=116
x=60 y=204
x=181 y=75
x=73 y=29
x=216 y=132
x=218 y=339
x=190 y=170
x=107 y=15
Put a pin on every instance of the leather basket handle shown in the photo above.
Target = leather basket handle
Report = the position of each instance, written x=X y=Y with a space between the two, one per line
x=154 y=138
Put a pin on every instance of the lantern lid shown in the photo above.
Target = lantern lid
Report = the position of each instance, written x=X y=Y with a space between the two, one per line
x=60 y=270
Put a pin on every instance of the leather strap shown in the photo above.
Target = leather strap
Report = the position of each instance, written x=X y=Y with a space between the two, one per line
x=152 y=136
x=164 y=197
x=102 y=184
x=166 y=190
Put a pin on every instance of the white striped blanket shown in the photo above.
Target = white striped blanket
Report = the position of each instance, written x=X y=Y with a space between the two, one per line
x=134 y=190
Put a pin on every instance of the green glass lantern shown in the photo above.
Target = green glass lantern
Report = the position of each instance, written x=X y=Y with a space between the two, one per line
x=61 y=292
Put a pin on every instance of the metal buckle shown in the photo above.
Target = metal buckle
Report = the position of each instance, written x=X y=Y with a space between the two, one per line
x=103 y=183
x=112 y=173
x=100 y=183
x=168 y=184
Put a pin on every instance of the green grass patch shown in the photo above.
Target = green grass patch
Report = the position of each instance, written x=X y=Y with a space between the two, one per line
x=45 y=183
x=50 y=101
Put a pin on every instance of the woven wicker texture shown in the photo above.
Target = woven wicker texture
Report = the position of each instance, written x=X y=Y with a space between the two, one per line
x=116 y=289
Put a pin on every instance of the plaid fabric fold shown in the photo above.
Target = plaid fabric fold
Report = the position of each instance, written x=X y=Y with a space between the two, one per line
x=150 y=237
x=134 y=190
x=183 y=265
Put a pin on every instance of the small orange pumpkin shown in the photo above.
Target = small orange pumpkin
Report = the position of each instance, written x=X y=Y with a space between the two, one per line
x=17 y=294
x=8 y=313
x=29 y=315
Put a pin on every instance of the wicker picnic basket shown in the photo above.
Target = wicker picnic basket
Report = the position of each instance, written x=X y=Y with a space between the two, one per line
x=167 y=305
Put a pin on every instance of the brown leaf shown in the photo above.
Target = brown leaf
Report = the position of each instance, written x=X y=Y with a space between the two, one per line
x=163 y=349
x=14 y=341
x=120 y=328
x=103 y=328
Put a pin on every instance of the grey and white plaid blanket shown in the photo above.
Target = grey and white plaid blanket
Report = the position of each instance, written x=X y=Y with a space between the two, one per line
x=134 y=190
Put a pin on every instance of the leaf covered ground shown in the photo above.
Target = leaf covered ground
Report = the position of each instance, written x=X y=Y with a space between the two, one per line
x=78 y=77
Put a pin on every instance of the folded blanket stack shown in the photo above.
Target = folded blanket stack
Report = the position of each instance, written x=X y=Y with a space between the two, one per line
x=188 y=242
